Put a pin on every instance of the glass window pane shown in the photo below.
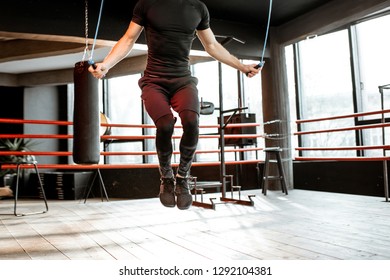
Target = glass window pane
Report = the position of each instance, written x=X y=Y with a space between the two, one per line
x=374 y=60
x=289 y=51
x=207 y=73
x=125 y=107
x=326 y=90
x=253 y=99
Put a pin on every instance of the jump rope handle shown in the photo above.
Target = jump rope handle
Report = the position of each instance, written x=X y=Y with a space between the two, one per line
x=92 y=63
x=261 y=64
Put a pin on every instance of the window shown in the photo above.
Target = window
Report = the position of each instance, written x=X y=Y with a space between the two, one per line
x=249 y=95
x=124 y=106
x=289 y=51
x=373 y=60
x=252 y=98
x=325 y=85
x=373 y=57
x=207 y=74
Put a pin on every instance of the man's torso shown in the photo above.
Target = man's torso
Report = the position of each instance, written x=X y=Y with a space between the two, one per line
x=170 y=27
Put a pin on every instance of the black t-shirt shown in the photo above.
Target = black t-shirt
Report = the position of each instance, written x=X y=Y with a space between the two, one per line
x=170 y=27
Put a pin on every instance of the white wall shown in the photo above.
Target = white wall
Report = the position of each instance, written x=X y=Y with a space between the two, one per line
x=41 y=103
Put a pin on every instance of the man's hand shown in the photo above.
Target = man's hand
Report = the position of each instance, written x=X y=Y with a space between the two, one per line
x=252 y=70
x=100 y=71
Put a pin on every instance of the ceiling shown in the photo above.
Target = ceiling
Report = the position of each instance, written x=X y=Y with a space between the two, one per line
x=43 y=35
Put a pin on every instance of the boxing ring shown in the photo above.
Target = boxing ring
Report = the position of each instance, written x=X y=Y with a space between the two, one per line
x=382 y=148
x=234 y=190
x=107 y=138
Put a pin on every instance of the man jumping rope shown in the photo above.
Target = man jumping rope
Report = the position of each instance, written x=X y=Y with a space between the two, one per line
x=170 y=28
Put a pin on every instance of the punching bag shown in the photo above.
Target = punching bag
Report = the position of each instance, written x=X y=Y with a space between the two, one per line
x=86 y=116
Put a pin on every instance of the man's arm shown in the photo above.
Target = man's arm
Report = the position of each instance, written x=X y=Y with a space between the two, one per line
x=217 y=51
x=120 y=50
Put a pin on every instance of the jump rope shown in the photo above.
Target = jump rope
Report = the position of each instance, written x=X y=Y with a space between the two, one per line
x=90 y=60
x=262 y=62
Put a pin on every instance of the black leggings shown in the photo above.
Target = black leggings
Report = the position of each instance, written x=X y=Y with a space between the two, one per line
x=188 y=142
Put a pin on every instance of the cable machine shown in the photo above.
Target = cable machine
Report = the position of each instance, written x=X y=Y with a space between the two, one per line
x=198 y=186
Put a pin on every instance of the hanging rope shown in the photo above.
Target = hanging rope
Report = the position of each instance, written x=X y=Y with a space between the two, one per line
x=86 y=49
x=90 y=59
x=262 y=62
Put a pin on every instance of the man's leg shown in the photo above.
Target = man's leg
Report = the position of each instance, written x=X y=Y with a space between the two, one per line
x=157 y=104
x=188 y=143
x=165 y=127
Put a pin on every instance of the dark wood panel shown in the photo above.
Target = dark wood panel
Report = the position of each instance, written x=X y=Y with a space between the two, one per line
x=359 y=177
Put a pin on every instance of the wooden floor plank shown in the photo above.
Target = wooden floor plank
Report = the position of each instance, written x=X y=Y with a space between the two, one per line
x=302 y=225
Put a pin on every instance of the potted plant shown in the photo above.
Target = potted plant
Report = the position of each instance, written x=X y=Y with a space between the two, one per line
x=16 y=144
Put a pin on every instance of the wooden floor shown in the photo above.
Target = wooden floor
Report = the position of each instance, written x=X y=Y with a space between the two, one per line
x=303 y=225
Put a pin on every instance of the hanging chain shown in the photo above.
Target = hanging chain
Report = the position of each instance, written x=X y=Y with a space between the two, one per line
x=86 y=50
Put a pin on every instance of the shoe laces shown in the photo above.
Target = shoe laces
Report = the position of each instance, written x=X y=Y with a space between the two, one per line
x=168 y=183
x=182 y=183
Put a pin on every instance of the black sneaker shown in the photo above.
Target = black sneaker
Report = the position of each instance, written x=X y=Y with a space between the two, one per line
x=183 y=194
x=167 y=192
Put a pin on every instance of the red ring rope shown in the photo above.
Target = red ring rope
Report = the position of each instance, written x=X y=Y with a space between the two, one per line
x=20 y=121
x=344 y=116
x=37 y=136
x=368 y=126
x=121 y=137
x=50 y=122
x=118 y=137
x=135 y=153
x=386 y=147
x=121 y=166
x=342 y=158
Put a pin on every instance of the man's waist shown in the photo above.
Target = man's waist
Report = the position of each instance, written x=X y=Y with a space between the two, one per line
x=167 y=72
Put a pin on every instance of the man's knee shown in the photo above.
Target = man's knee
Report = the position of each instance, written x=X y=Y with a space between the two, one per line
x=165 y=125
x=189 y=120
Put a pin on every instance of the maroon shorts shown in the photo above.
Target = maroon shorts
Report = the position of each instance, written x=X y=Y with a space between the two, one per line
x=160 y=95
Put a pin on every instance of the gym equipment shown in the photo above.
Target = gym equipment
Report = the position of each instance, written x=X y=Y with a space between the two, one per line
x=86 y=127
x=86 y=118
